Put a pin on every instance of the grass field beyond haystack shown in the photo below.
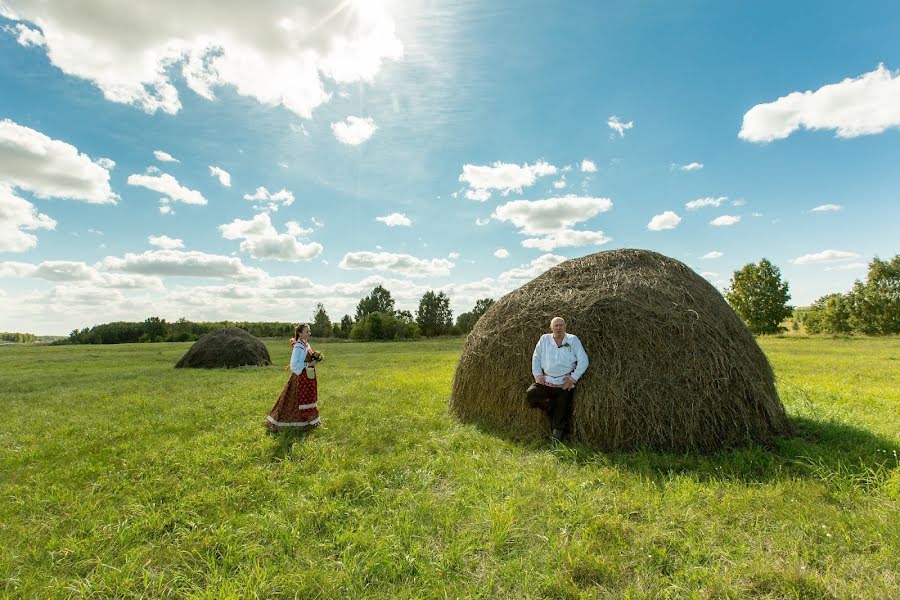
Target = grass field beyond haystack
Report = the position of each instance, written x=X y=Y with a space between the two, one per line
x=121 y=476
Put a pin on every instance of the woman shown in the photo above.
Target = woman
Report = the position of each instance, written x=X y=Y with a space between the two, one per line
x=297 y=406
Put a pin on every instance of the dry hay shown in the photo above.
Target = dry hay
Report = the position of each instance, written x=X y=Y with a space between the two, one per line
x=228 y=347
x=671 y=364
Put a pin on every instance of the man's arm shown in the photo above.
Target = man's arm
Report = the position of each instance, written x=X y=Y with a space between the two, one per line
x=536 y=370
x=581 y=358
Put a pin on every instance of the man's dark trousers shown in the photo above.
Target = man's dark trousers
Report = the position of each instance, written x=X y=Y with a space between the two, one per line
x=556 y=401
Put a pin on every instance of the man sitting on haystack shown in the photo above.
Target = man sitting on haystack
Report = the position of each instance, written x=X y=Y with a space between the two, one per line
x=558 y=363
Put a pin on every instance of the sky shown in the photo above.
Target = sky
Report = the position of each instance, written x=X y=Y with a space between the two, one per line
x=179 y=159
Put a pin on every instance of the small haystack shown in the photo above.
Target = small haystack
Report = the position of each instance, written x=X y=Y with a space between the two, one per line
x=672 y=366
x=228 y=347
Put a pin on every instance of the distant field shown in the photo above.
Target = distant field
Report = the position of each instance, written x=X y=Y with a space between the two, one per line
x=121 y=476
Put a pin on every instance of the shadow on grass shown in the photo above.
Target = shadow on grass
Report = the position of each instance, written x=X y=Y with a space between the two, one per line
x=833 y=452
x=286 y=439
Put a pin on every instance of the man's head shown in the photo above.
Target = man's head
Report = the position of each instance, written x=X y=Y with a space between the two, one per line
x=558 y=326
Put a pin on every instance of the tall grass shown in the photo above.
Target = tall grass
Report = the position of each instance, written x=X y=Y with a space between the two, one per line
x=123 y=477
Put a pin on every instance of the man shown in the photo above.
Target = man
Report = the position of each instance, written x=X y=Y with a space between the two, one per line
x=558 y=363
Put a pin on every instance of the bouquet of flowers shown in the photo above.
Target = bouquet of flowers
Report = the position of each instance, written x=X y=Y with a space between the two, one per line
x=312 y=355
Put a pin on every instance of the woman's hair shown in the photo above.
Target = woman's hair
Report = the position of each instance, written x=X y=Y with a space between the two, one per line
x=299 y=330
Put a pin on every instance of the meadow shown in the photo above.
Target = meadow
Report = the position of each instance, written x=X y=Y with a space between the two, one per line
x=123 y=477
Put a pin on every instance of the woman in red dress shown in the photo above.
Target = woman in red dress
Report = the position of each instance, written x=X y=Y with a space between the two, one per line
x=298 y=405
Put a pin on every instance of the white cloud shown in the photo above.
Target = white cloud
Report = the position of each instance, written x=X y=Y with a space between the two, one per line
x=166 y=210
x=481 y=222
x=712 y=254
x=501 y=253
x=828 y=208
x=223 y=175
x=395 y=220
x=503 y=177
x=826 y=256
x=528 y=272
x=704 y=202
x=164 y=156
x=270 y=202
x=354 y=130
x=694 y=166
x=725 y=220
x=397 y=263
x=552 y=214
x=566 y=238
x=588 y=166
x=107 y=163
x=756 y=214
x=17 y=216
x=165 y=242
x=738 y=202
x=48 y=168
x=177 y=263
x=261 y=240
x=662 y=221
x=26 y=36
x=276 y=52
x=453 y=255
x=168 y=185
x=559 y=183
x=864 y=105
x=618 y=126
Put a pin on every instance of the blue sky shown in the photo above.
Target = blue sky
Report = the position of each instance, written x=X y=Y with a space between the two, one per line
x=491 y=143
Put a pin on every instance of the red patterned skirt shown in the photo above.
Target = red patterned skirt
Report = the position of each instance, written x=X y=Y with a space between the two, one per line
x=298 y=405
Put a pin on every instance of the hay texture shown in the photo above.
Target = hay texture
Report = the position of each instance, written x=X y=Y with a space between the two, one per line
x=228 y=347
x=671 y=364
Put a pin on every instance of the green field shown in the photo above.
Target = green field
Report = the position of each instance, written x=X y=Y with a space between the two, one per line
x=123 y=477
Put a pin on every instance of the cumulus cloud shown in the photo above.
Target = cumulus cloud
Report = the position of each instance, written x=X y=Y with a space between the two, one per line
x=529 y=271
x=25 y=35
x=588 y=166
x=223 y=175
x=694 y=166
x=164 y=156
x=566 y=238
x=17 y=216
x=704 y=202
x=48 y=168
x=168 y=185
x=560 y=183
x=395 y=220
x=725 y=220
x=354 y=130
x=397 y=263
x=269 y=202
x=64 y=271
x=178 y=263
x=618 y=126
x=107 y=163
x=825 y=256
x=550 y=221
x=261 y=240
x=501 y=253
x=828 y=208
x=165 y=242
x=662 y=221
x=502 y=177
x=865 y=105
x=712 y=254
x=552 y=214
x=276 y=52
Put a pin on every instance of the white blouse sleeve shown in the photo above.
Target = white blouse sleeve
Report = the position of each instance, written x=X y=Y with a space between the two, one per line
x=297 y=356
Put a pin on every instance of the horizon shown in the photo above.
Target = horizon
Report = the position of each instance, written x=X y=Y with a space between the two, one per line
x=259 y=162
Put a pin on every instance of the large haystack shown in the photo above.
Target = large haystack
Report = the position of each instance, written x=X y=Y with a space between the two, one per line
x=671 y=364
x=225 y=348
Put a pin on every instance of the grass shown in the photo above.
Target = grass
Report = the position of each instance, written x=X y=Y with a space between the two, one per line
x=123 y=477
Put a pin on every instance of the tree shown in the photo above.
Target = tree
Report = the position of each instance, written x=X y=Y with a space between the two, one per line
x=875 y=304
x=759 y=296
x=828 y=314
x=346 y=326
x=379 y=300
x=321 y=325
x=434 y=315
x=466 y=321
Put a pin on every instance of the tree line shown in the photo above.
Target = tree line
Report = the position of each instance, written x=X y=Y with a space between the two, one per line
x=375 y=319
x=872 y=307
x=18 y=338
